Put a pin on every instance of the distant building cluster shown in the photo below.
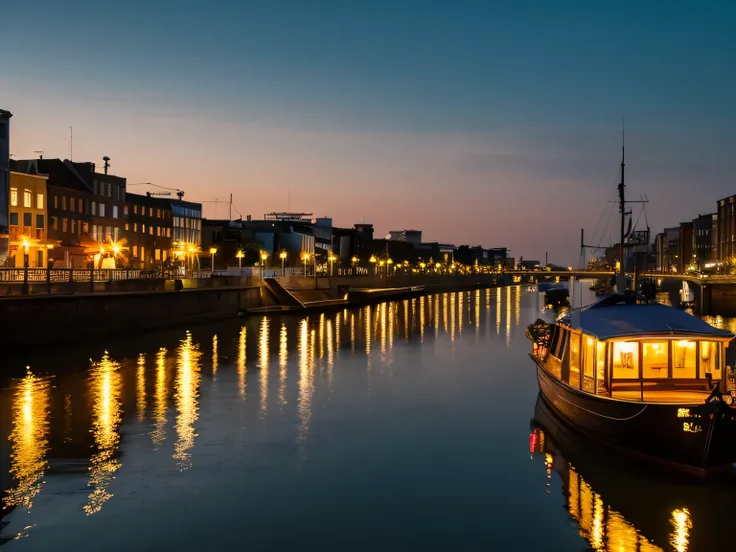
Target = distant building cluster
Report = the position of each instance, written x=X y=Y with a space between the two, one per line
x=69 y=214
x=707 y=243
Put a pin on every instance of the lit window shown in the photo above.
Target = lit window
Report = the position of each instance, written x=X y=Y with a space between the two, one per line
x=102 y=209
x=72 y=204
x=93 y=207
x=709 y=360
x=683 y=359
x=14 y=197
x=625 y=360
x=655 y=363
x=27 y=198
x=114 y=211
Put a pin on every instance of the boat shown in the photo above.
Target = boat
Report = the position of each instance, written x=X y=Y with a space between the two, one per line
x=644 y=378
x=555 y=293
x=626 y=505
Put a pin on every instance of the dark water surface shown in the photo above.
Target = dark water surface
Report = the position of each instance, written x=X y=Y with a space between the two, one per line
x=401 y=426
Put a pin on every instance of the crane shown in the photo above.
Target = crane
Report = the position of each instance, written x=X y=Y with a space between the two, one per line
x=179 y=193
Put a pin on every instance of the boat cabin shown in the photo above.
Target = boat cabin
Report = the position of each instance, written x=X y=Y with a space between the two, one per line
x=639 y=352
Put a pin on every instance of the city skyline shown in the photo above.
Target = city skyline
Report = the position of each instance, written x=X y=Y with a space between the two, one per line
x=471 y=123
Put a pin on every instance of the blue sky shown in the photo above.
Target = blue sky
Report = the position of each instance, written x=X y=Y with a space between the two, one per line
x=494 y=123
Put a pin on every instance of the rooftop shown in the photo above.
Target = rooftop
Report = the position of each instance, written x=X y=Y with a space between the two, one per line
x=609 y=321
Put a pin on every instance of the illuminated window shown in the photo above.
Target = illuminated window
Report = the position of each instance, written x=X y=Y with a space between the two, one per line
x=625 y=360
x=601 y=366
x=102 y=209
x=655 y=363
x=709 y=359
x=683 y=359
x=64 y=225
x=72 y=204
x=135 y=251
x=589 y=365
x=39 y=201
x=27 y=198
x=14 y=197
x=63 y=202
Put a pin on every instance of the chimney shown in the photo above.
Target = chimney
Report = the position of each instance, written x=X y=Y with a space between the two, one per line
x=106 y=159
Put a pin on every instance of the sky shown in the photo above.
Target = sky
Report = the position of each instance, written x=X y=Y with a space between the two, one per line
x=494 y=123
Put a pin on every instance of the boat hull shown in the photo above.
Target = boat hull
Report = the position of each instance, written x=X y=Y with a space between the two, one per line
x=699 y=439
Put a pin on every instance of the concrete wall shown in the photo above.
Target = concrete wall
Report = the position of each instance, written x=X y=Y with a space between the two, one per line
x=39 y=321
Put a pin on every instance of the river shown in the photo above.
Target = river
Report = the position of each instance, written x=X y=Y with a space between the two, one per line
x=404 y=425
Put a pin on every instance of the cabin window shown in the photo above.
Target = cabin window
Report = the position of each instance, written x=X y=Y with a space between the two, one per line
x=655 y=363
x=574 y=341
x=589 y=365
x=601 y=366
x=625 y=360
x=709 y=359
x=683 y=359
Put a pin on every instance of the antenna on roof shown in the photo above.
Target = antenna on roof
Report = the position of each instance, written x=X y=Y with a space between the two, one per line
x=106 y=159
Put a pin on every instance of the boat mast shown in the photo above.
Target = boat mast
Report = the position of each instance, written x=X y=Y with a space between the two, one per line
x=620 y=277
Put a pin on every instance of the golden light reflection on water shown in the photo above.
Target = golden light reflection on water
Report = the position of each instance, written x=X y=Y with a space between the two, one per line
x=422 y=321
x=186 y=397
x=367 y=322
x=215 y=357
x=460 y=311
x=105 y=388
x=240 y=363
x=141 y=388
x=161 y=392
x=681 y=526
x=517 y=304
x=498 y=311
x=29 y=439
x=330 y=352
x=383 y=308
x=508 y=316
x=263 y=362
x=283 y=362
x=352 y=331
x=477 y=312
x=305 y=383
x=605 y=528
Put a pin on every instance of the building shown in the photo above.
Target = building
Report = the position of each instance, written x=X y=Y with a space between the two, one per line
x=186 y=222
x=726 y=220
x=714 y=240
x=148 y=230
x=85 y=208
x=28 y=221
x=660 y=252
x=4 y=181
x=409 y=236
x=353 y=242
x=702 y=242
x=670 y=254
x=686 y=255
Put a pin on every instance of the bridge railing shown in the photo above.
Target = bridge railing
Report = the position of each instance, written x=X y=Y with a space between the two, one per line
x=61 y=275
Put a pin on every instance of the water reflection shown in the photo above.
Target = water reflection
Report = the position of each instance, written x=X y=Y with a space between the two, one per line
x=187 y=393
x=29 y=439
x=105 y=390
x=263 y=361
x=161 y=386
x=619 y=505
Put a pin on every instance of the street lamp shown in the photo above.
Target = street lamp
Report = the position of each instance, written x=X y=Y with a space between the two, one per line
x=305 y=258
x=239 y=255
x=26 y=248
x=331 y=259
x=373 y=260
x=380 y=264
x=354 y=260
x=213 y=250
x=389 y=262
x=264 y=256
x=49 y=247
x=282 y=256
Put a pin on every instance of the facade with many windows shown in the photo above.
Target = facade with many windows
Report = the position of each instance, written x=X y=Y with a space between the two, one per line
x=28 y=232
x=186 y=222
x=148 y=230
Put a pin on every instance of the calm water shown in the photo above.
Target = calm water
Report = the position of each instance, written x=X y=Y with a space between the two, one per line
x=395 y=427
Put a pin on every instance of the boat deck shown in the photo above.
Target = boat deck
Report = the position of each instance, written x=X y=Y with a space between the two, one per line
x=674 y=396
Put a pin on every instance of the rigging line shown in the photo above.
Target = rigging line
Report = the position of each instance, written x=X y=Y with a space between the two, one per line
x=608 y=202
x=603 y=212
x=606 y=228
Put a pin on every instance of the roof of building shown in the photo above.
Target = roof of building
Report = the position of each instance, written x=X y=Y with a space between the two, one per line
x=62 y=174
x=607 y=320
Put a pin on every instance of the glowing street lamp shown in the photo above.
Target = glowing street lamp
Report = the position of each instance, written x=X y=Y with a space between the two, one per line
x=354 y=260
x=305 y=258
x=331 y=259
x=213 y=251
x=282 y=256
x=239 y=255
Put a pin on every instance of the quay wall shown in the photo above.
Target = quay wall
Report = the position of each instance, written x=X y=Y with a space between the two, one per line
x=36 y=321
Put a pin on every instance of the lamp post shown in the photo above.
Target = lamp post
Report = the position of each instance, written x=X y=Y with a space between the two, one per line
x=389 y=262
x=305 y=258
x=26 y=248
x=49 y=247
x=380 y=265
x=264 y=257
x=213 y=251
x=373 y=260
x=282 y=256
x=331 y=259
x=422 y=265
x=239 y=255
x=354 y=260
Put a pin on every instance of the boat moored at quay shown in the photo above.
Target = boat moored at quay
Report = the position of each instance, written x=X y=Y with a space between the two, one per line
x=642 y=377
